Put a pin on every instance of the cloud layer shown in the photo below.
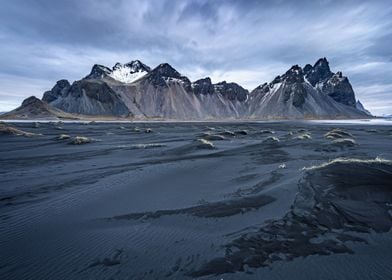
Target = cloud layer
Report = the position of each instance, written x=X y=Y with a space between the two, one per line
x=248 y=42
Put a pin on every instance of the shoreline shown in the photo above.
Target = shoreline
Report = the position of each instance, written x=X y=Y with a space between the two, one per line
x=373 y=121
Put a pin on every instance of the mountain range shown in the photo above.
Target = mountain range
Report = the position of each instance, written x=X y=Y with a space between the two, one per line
x=136 y=91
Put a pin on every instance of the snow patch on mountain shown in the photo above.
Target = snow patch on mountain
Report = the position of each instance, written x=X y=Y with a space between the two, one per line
x=126 y=74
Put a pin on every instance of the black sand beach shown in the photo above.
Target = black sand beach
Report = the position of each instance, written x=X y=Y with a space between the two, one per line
x=267 y=200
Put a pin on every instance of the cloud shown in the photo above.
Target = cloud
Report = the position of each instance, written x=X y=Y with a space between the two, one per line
x=248 y=42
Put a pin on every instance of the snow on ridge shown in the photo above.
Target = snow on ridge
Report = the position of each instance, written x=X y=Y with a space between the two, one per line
x=126 y=74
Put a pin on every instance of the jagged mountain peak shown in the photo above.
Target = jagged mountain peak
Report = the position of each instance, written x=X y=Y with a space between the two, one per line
x=322 y=67
x=124 y=73
x=117 y=65
x=277 y=79
x=339 y=88
x=203 y=80
x=32 y=100
x=138 y=63
x=339 y=74
x=225 y=83
x=308 y=91
x=294 y=75
x=133 y=66
x=295 y=68
x=232 y=91
x=60 y=89
x=338 y=77
x=129 y=72
x=164 y=74
x=98 y=72
x=62 y=83
x=166 y=70
x=221 y=83
x=262 y=85
x=321 y=62
x=262 y=89
x=203 y=86
x=320 y=72
x=307 y=68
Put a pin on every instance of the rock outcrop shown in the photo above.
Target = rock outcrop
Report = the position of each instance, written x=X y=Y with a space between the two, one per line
x=334 y=85
x=88 y=97
x=34 y=108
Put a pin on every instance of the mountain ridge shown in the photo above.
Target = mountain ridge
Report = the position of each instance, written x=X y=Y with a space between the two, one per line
x=135 y=90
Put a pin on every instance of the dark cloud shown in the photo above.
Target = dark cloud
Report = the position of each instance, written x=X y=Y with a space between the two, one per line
x=249 y=42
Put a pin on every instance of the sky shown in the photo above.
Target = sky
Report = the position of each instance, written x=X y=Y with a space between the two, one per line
x=247 y=42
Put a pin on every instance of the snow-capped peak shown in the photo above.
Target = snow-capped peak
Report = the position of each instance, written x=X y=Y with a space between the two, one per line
x=129 y=72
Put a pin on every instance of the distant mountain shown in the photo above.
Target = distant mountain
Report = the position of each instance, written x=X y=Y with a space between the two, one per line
x=135 y=90
x=34 y=108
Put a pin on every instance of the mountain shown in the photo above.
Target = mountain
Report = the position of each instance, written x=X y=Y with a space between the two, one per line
x=162 y=93
x=129 y=72
x=125 y=73
x=89 y=96
x=135 y=90
x=334 y=85
x=34 y=108
x=59 y=89
x=165 y=93
x=360 y=107
x=311 y=93
x=221 y=100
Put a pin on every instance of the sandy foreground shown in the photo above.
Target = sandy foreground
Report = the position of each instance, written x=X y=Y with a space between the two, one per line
x=268 y=200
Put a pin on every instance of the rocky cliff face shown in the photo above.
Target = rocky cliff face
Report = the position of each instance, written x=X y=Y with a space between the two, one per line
x=87 y=97
x=133 y=89
x=339 y=88
x=312 y=92
x=334 y=85
x=319 y=72
x=99 y=72
x=60 y=89
x=166 y=93
x=220 y=100
x=203 y=86
x=162 y=93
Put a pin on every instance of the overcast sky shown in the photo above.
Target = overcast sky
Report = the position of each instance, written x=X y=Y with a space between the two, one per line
x=248 y=42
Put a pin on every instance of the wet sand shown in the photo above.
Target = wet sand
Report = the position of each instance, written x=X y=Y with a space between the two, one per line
x=141 y=200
